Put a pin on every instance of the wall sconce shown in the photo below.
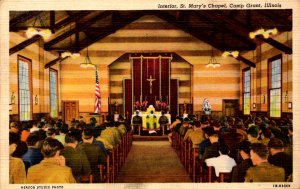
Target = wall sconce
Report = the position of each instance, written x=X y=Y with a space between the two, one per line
x=263 y=99
x=12 y=98
x=286 y=97
x=290 y=105
x=254 y=105
x=36 y=100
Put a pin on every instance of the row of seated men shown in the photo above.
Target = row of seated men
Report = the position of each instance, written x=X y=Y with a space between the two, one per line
x=259 y=151
x=56 y=153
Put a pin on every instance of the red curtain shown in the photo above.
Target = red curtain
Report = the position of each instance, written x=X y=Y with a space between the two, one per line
x=137 y=79
x=165 y=77
x=159 y=69
x=150 y=68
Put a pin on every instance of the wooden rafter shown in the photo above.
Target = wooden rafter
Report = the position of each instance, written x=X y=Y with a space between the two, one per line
x=24 y=44
x=278 y=19
x=246 y=61
x=53 y=62
x=22 y=18
x=78 y=29
x=234 y=26
x=103 y=33
x=76 y=16
x=213 y=16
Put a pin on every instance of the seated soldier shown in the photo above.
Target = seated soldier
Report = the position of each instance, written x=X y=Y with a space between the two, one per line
x=136 y=120
x=184 y=127
x=102 y=138
x=197 y=136
x=93 y=153
x=262 y=170
x=222 y=163
x=253 y=134
x=239 y=171
x=174 y=126
x=212 y=150
x=33 y=155
x=75 y=159
x=17 y=174
x=63 y=130
x=163 y=118
x=279 y=158
x=109 y=134
x=52 y=169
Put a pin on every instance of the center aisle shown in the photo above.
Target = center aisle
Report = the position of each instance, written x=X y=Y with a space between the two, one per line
x=152 y=162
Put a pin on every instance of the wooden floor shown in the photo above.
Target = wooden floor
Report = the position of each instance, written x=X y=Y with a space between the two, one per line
x=152 y=162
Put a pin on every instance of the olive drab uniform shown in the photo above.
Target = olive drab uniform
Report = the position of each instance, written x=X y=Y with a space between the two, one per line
x=49 y=171
x=265 y=172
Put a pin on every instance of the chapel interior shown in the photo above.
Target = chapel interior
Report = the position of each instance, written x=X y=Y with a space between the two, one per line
x=219 y=68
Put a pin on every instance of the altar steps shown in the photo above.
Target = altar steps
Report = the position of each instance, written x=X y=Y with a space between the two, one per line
x=150 y=138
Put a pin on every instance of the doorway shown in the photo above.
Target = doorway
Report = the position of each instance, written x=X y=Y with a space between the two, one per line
x=70 y=110
x=230 y=107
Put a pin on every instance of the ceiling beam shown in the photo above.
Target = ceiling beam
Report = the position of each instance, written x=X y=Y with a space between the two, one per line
x=57 y=26
x=24 y=44
x=282 y=23
x=201 y=34
x=52 y=21
x=246 y=61
x=211 y=17
x=276 y=44
x=109 y=30
x=76 y=16
x=185 y=27
x=234 y=26
x=78 y=29
x=53 y=62
x=23 y=18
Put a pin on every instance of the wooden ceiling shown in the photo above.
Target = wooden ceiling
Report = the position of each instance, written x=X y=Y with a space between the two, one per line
x=222 y=29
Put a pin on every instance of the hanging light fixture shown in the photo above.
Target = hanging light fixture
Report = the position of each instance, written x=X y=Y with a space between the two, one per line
x=87 y=63
x=212 y=61
x=32 y=31
x=265 y=33
x=235 y=54
x=68 y=53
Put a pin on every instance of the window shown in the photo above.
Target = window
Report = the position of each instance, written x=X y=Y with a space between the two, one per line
x=246 y=91
x=25 y=94
x=53 y=94
x=275 y=87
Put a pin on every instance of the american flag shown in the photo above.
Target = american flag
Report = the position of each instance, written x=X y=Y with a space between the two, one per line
x=97 y=95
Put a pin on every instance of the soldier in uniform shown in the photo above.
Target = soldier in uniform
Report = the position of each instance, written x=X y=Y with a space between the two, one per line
x=52 y=169
x=136 y=120
x=93 y=152
x=263 y=171
x=197 y=136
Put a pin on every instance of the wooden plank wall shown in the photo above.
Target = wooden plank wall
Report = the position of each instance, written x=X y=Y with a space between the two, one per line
x=146 y=35
x=151 y=34
x=40 y=76
x=259 y=75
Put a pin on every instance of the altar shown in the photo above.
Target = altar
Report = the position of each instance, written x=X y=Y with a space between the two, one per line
x=150 y=121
